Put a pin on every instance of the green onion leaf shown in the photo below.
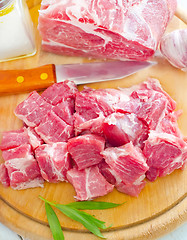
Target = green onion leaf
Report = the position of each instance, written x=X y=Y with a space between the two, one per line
x=72 y=211
x=80 y=217
x=92 y=205
x=54 y=223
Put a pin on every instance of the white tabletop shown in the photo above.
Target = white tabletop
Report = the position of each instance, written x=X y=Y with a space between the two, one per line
x=178 y=234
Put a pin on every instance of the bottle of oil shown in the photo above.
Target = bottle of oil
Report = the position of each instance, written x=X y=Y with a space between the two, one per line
x=16 y=30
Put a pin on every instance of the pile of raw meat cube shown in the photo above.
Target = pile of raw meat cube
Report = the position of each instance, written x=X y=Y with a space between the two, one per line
x=94 y=139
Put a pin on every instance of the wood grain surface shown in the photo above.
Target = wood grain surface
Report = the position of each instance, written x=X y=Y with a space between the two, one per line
x=160 y=207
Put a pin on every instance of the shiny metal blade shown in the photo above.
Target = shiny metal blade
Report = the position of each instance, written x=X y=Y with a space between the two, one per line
x=99 y=71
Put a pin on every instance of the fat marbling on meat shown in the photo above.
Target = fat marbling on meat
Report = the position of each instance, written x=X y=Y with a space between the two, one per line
x=54 y=161
x=86 y=150
x=104 y=29
x=89 y=183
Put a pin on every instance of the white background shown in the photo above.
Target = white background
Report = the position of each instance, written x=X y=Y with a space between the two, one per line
x=178 y=234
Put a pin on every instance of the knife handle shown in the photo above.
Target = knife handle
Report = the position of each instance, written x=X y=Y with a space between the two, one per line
x=15 y=81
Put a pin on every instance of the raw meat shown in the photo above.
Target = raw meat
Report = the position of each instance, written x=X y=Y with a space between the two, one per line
x=113 y=178
x=127 y=161
x=91 y=103
x=149 y=102
x=62 y=97
x=165 y=153
x=23 y=169
x=23 y=151
x=16 y=138
x=65 y=111
x=12 y=139
x=120 y=129
x=123 y=136
x=34 y=139
x=53 y=129
x=88 y=183
x=169 y=124
x=33 y=109
x=86 y=150
x=4 y=178
x=91 y=126
x=54 y=161
x=60 y=92
x=104 y=29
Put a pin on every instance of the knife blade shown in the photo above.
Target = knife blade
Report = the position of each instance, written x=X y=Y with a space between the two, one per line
x=16 y=81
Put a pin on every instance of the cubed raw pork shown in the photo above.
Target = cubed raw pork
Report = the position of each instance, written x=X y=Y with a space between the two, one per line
x=127 y=161
x=91 y=126
x=65 y=111
x=23 y=169
x=23 y=151
x=86 y=150
x=60 y=92
x=53 y=129
x=88 y=183
x=33 y=109
x=54 y=161
x=165 y=153
x=62 y=97
x=12 y=139
x=168 y=124
x=113 y=178
x=34 y=139
x=120 y=129
x=149 y=102
x=4 y=178
x=104 y=29
x=90 y=103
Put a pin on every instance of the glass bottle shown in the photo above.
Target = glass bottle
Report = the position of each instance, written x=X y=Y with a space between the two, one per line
x=16 y=30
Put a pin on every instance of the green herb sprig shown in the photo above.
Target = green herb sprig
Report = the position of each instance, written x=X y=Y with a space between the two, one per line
x=72 y=210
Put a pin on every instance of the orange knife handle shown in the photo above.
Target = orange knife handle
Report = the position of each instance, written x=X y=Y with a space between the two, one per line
x=15 y=81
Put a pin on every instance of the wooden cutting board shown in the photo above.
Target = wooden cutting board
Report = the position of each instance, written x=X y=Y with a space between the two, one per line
x=160 y=207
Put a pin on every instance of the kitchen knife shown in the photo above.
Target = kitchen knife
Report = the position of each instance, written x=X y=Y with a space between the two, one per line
x=15 y=81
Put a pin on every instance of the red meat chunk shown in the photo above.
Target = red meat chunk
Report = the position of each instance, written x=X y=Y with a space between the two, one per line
x=113 y=178
x=23 y=151
x=120 y=129
x=168 y=124
x=104 y=29
x=88 y=183
x=54 y=161
x=53 y=129
x=65 y=111
x=23 y=169
x=33 y=109
x=60 y=92
x=91 y=126
x=62 y=97
x=4 y=178
x=149 y=102
x=165 y=153
x=12 y=139
x=86 y=150
x=90 y=103
x=127 y=161
x=34 y=139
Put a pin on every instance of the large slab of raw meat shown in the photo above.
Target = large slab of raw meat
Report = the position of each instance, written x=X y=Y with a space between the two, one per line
x=105 y=29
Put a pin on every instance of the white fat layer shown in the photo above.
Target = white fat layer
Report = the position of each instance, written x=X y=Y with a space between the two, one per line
x=37 y=182
x=76 y=11
x=20 y=163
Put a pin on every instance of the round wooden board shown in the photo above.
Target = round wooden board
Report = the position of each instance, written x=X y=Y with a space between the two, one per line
x=160 y=207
